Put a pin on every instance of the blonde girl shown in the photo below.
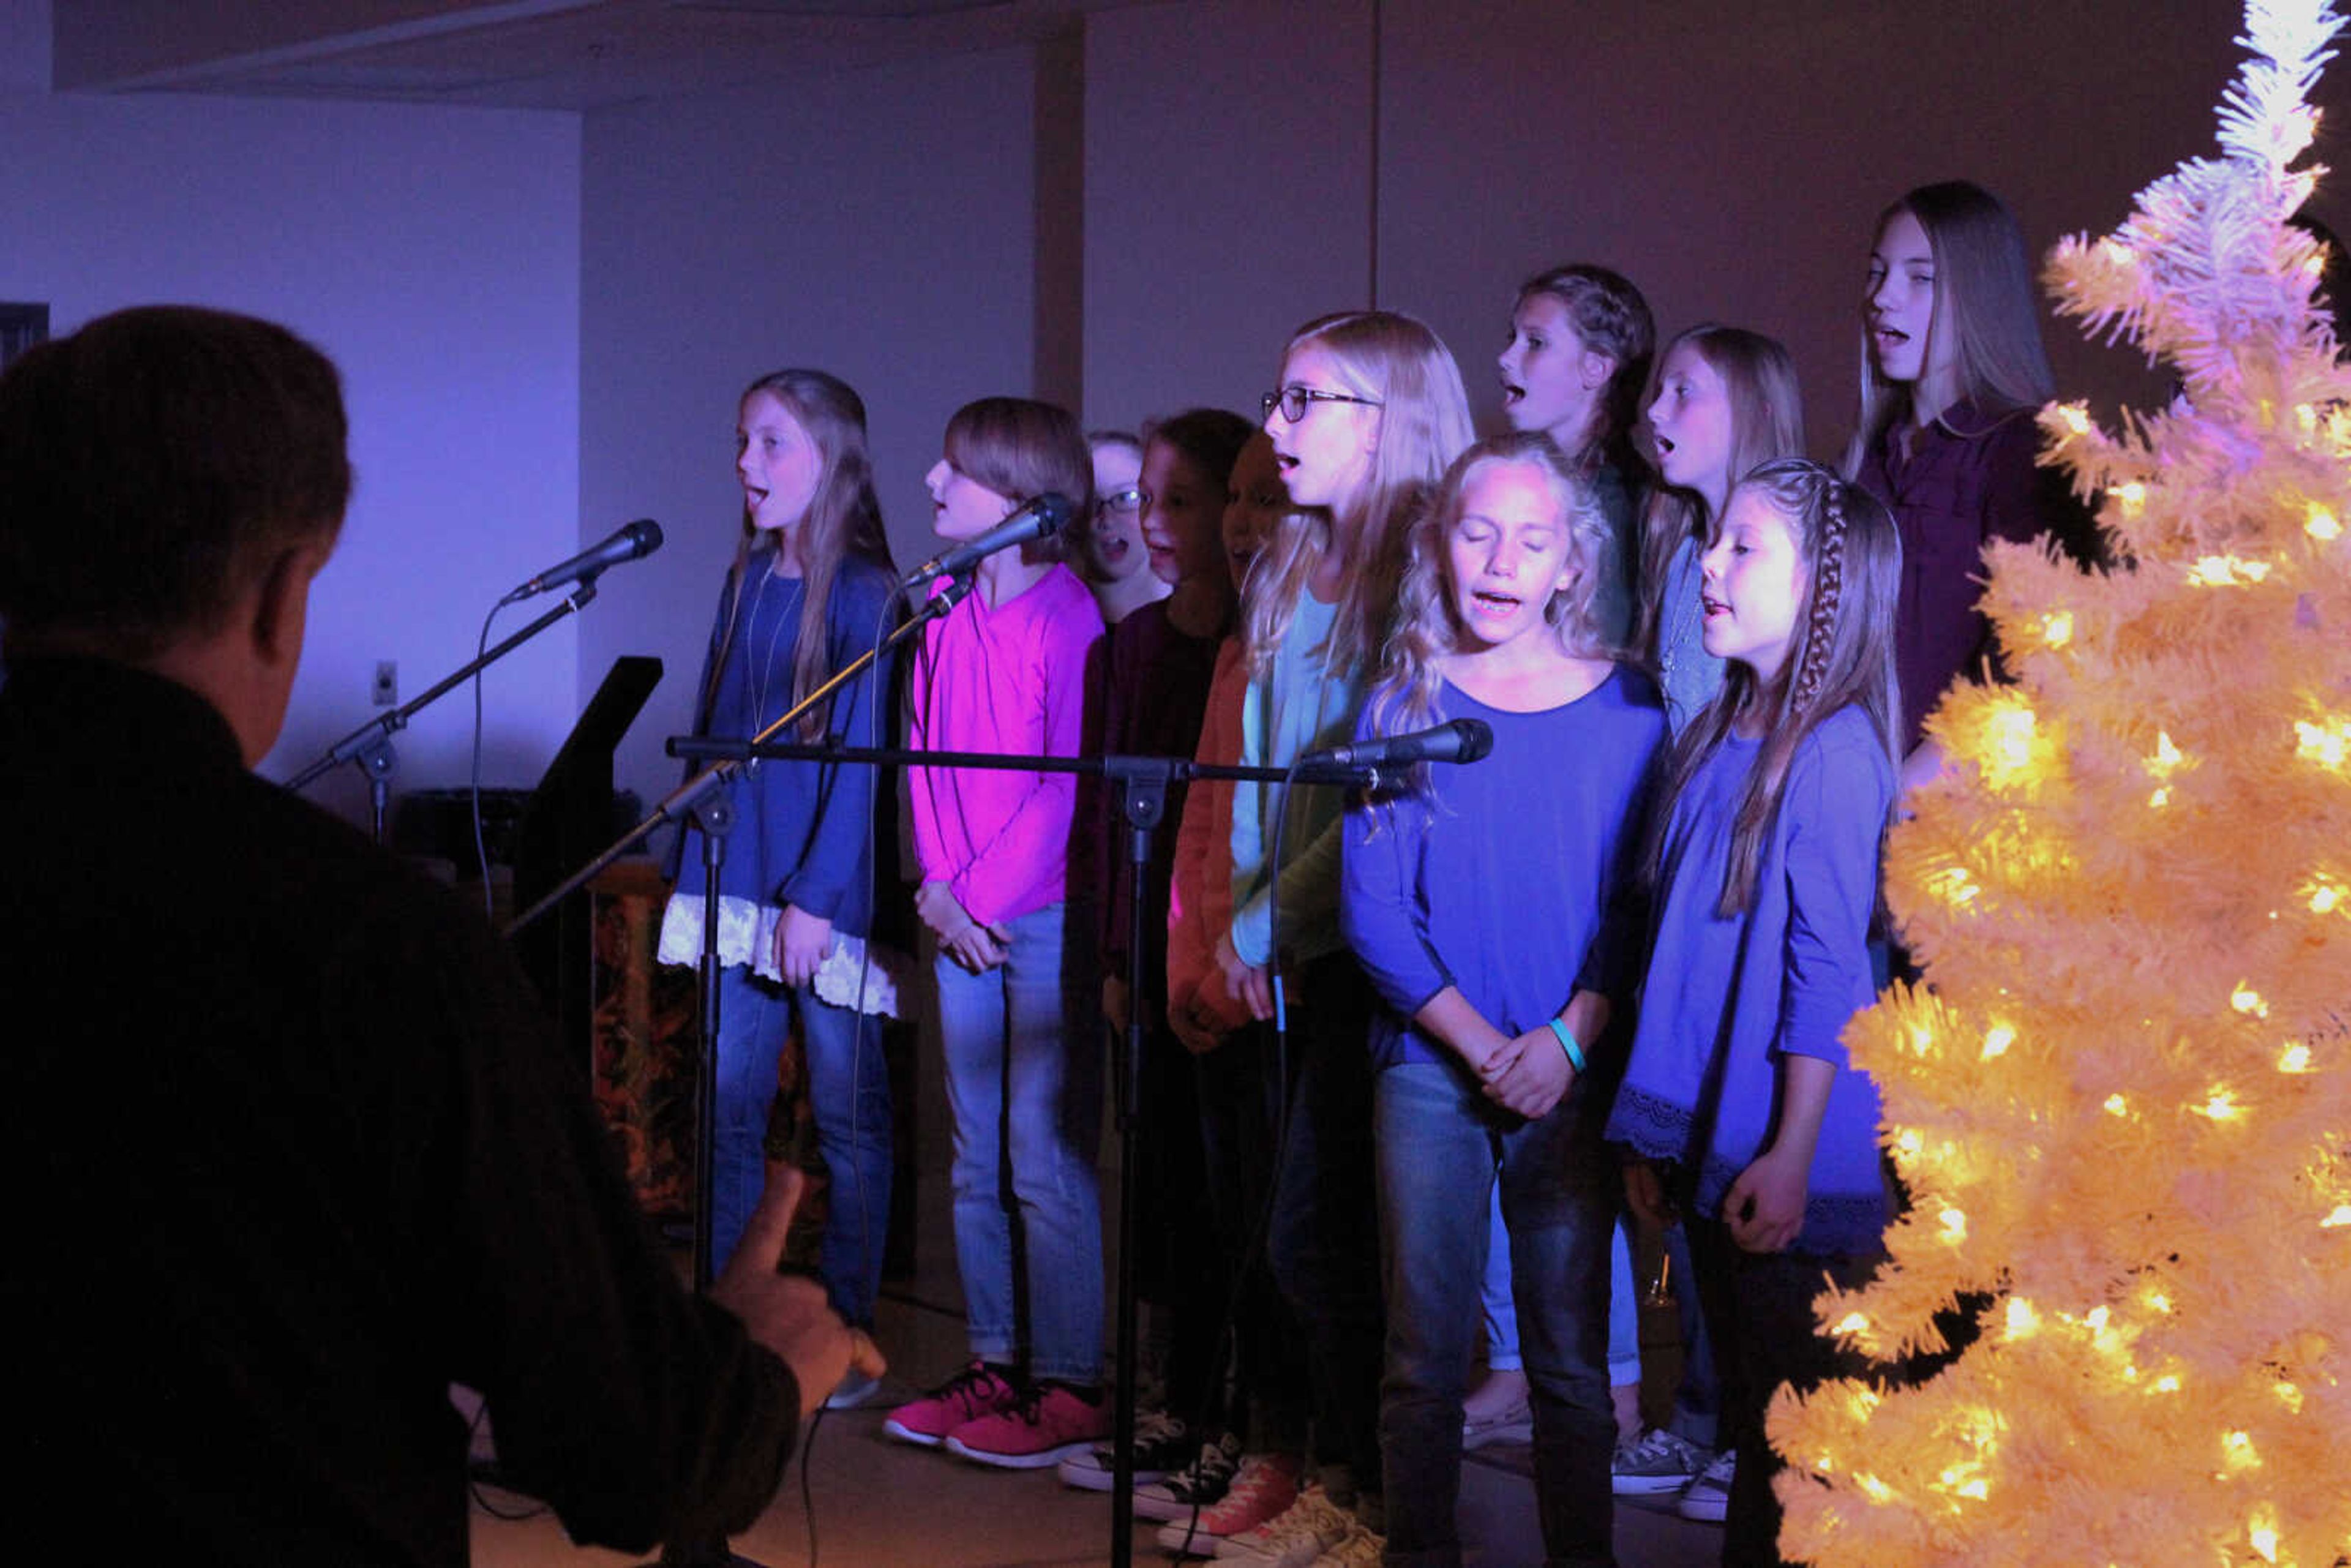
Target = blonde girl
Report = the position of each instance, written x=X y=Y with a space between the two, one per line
x=1478 y=901
x=1368 y=414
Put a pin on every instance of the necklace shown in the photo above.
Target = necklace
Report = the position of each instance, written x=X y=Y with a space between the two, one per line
x=760 y=659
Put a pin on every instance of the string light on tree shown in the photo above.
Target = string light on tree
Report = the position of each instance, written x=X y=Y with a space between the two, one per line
x=2123 y=1111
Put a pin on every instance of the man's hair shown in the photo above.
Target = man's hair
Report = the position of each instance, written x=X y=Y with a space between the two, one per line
x=151 y=466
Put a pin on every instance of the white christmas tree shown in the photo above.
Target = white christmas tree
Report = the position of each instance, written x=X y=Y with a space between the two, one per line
x=2121 y=1105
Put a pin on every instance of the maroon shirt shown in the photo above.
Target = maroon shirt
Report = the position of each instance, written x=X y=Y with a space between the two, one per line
x=1950 y=496
x=1150 y=689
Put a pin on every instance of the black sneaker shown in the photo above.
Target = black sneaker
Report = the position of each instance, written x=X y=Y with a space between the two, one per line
x=1200 y=1484
x=1160 y=1445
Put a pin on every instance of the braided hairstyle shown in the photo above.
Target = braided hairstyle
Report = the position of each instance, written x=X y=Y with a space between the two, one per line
x=1850 y=558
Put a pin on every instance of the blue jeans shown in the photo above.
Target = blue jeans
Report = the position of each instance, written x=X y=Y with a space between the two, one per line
x=1024 y=1081
x=1442 y=1148
x=1494 y=1296
x=849 y=1095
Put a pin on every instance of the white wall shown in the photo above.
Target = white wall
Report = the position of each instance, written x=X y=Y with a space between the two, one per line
x=434 y=254
x=1229 y=182
x=24 y=46
x=879 y=224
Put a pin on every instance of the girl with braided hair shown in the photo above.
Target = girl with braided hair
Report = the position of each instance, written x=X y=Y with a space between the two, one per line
x=1738 y=1103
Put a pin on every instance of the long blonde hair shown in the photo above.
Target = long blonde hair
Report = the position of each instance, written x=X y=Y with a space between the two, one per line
x=1393 y=361
x=843 y=519
x=1985 y=302
x=1428 y=626
x=1767 y=421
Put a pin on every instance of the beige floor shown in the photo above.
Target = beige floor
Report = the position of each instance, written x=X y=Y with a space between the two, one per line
x=879 y=1504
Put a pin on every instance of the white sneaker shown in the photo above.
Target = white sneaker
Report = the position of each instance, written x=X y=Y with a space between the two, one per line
x=1707 y=1499
x=1293 y=1538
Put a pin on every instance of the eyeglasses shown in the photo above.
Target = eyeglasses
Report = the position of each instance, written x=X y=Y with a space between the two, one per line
x=1127 y=500
x=1294 y=400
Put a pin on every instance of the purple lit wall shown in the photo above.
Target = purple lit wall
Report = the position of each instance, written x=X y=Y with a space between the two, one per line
x=544 y=318
x=436 y=255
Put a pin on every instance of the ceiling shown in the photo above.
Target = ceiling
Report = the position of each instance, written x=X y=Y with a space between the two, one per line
x=518 y=54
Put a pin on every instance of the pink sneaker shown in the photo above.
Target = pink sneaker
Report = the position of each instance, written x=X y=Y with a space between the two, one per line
x=977 y=1391
x=1050 y=1425
x=1265 y=1487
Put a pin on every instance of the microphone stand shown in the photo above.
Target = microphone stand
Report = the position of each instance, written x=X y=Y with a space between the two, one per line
x=370 y=745
x=712 y=811
x=1142 y=784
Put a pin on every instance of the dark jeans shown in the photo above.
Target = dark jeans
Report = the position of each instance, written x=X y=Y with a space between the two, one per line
x=1759 y=1307
x=1443 y=1148
x=1326 y=1236
x=1240 y=1097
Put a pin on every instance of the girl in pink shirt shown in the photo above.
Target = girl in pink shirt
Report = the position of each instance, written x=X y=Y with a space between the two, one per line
x=1004 y=671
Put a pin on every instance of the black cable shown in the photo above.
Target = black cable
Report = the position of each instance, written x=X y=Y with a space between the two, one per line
x=875 y=704
x=474 y=791
x=474 y=1476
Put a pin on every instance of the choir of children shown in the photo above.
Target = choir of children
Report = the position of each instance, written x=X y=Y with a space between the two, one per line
x=1606 y=965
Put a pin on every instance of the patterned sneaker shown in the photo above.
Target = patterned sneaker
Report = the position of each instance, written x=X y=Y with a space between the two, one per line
x=1659 y=1462
x=1362 y=1549
x=1052 y=1424
x=1292 y=1538
x=977 y=1390
x=1160 y=1445
x=1265 y=1486
x=1196 y=1486
x=1708 y=1498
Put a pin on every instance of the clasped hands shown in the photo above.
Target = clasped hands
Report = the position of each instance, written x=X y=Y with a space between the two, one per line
x=973 y=947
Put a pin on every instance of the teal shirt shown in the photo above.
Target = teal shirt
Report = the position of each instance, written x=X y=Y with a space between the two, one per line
x=1296 y=706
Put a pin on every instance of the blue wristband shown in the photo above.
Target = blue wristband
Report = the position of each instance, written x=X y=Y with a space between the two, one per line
x=1567 y=1043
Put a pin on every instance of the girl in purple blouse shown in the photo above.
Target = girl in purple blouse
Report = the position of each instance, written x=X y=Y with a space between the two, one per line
x=1952 y=370
x=1737 y=1095
x=1478 y=900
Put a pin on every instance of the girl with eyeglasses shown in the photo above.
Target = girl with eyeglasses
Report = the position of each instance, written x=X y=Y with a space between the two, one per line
x=1368 y=414
x=1109 y=554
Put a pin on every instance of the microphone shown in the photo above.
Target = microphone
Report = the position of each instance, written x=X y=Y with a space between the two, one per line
x=627 y=542
x=1042 y=518
x=1461 y=740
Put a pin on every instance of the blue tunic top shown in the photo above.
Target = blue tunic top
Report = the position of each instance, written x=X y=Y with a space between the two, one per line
x=803 y=830
x=1726 y=998
x=1502 y=880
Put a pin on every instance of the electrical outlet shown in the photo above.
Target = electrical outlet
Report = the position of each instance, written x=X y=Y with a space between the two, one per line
x=385 y=693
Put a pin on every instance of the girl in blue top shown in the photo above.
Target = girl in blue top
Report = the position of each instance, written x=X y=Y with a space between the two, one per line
x=1727 y=399
x=1476 y=899
x=809 y=590
x=1738 y=1093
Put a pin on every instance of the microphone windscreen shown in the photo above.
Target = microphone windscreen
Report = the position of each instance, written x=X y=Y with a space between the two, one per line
x=1477 y=739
